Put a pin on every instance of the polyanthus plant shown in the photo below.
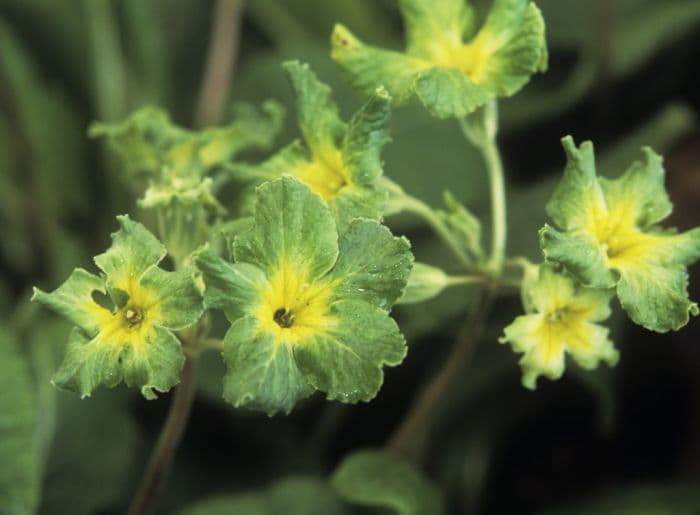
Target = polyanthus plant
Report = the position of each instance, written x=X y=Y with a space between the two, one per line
x=607 y=236
x=339 y=161
x=561 y=318
x=125 y=317
x=309 y=305
x=448 y=65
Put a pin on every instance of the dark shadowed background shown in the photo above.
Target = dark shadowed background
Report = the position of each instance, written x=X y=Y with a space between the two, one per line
x=623 y=73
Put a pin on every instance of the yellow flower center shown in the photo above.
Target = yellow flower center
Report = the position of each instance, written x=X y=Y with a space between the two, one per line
x=471 y=58
x=617 y=233
x=325 y=174
x=292 y=307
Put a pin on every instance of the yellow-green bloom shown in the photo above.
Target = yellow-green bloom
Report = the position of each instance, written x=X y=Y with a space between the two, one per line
x=308 y=305
x=339 y=161
x=128 y=335
x=561 y=319
x=607 y=235
x=448 y=65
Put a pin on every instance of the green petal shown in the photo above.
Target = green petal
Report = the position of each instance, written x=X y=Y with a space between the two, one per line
x=580 y=254
x=284 y=161
x=655 y=292
x=261 y=373
x=232 y=288
x=367 y=134
x=73 y=300
x=90 y=363
x=373 y=265
x=641 y=190
x=86 y=366
x=428 y=22
x=578 y=192
x=367 y=68
x=449 y=93
x=148 y=141
x=316 y=112
x=564 y=323
x=346 y=362
x=291 y=223
x=249 y=129
x=141 y=139
x=157 y=366
x=355 y=201
x=509 y=67
x=134 y=249
x=180 y=302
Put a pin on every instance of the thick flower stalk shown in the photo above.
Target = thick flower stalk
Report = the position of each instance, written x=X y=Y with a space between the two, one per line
x=309 y=307
x=125 y=317
x=448 y=65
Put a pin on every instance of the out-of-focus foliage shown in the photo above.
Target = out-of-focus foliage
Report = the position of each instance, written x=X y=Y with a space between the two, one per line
x=621 y=72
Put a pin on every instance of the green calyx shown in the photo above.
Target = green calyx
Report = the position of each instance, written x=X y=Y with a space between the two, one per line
x=129 y=336
x=309 y=306
x=339 y=161
x=448 y=65
x=606 y=234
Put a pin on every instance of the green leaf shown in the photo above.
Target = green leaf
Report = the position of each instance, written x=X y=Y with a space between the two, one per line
x=346 y=361
x=104 y=428
x=20 y=480
x=291 y=222
x=424 y=283
x=292 y=496
x=372 y=265
x=450 y=75
x=381 y=479
x=607 y=236
x=261 y=373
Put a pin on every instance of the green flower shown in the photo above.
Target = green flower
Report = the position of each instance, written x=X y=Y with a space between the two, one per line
x=132 y=339
x=309 y=309
x=341 y=162
x=449 y=66
x=149 y=143
x=607 y=236
x=560 y=319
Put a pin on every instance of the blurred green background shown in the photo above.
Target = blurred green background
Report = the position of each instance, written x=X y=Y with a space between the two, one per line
x=623 y=441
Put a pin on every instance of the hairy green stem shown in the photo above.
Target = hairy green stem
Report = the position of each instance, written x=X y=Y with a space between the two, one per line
x=416 y=422
x=168 y=441
x=492 y=157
